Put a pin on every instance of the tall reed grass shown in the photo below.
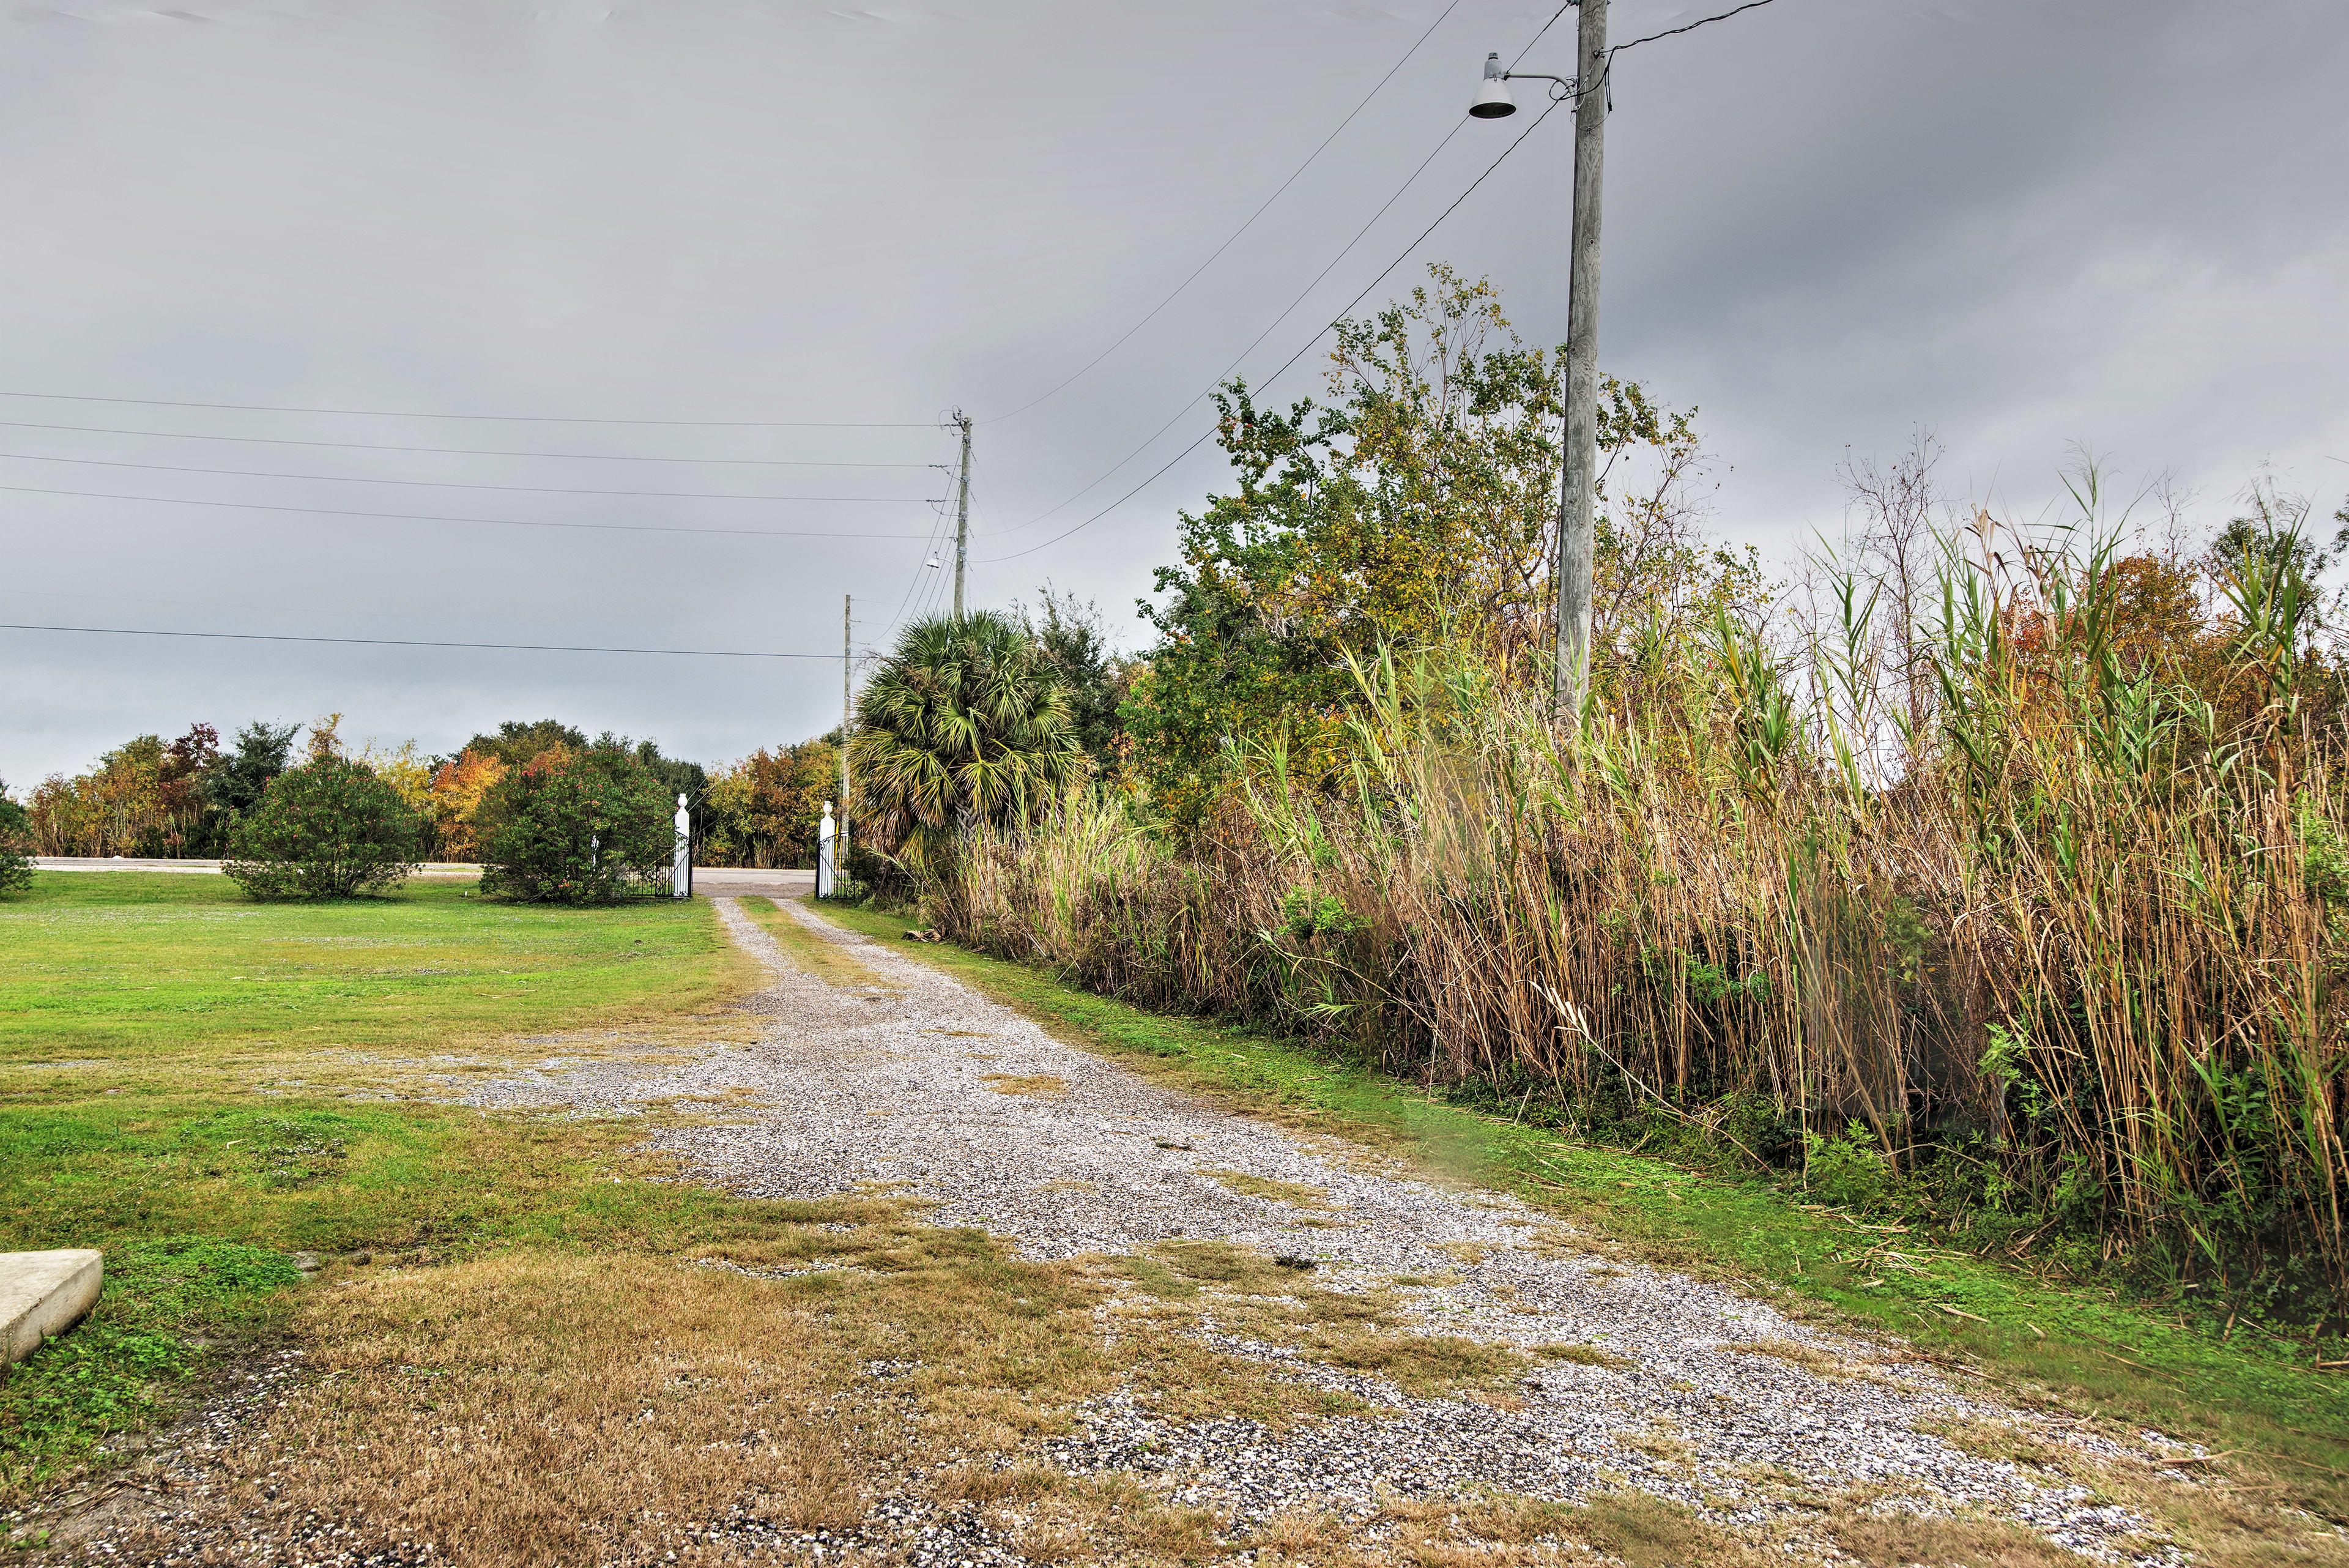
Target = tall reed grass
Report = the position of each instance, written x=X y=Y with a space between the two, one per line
x=2061 y=960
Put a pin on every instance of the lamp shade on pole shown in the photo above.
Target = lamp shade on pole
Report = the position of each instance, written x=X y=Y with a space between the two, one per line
x=1492 y=100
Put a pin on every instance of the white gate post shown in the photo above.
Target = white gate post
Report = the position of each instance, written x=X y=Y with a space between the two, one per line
x=827 y=874
x=683 y=867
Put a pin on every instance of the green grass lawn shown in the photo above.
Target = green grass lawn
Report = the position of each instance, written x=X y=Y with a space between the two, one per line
x=133 y=969
x=2285 y=1420
x=201 y=1085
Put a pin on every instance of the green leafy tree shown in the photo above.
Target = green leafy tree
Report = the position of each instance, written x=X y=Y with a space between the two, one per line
x=763 y=810
x=327 y=829
x=16 y=838
x=1417 y=508
x=676 y=777
x=235 y=778
x=967 y=724
x=1068 y=633
x=586 y=826
x=516 y=743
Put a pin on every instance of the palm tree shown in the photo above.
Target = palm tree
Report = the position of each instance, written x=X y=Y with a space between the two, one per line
x=966 y=723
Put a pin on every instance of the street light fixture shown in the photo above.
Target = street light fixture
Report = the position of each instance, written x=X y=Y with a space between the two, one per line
x=1493 y=99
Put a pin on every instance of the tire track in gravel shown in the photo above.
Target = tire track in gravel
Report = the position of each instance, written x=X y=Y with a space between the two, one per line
x=904 y=1082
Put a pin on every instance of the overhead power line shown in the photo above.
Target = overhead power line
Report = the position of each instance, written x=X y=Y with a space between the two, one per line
x=1276 y=321
x=1249 y=222
x=429 y=517
x=410 y=642
x=453 y=483
x=1302 y=349
x=502 y=418
x=458 y=451
x=1689 y=27
x=1225 y=374
x=1537 y=38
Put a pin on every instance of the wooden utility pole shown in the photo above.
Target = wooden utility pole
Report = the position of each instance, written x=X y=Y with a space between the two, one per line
x=1576 y=498
x=847 y=714
x=962 y=512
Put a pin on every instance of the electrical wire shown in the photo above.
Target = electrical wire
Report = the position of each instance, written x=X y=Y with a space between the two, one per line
x=1667 y=33
x=1261 y=336
x=1226 y=374
x=457 y=451
x=1309 y=343
x=506 y=419
x=407 y=642
x=451 y=483
x=937 y=528
x=1244 y=227
x=429 y=517
x=1689 y=27
x=1537 y=38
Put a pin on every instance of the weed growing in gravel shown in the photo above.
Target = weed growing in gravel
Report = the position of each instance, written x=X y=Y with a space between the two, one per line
x=1032 y=1085
x=1294 y=1192
x=1809 y=1358
x=1915 y=1541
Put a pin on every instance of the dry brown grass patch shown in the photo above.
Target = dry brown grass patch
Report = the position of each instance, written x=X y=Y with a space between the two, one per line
x=1296 y=1532
x=532 y=1410
x=1643 y=1532
x=1995 y=1441
x=1903 y=1540
x=1420 y=1365
x=1032 y=1085
x=1237 y=1268
x=1584 y=1356
x=1252 y=1186
x=1809 y=1358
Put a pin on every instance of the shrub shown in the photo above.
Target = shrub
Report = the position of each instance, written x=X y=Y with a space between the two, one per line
x=328 y=829
x=15 y=833
x=577 y=827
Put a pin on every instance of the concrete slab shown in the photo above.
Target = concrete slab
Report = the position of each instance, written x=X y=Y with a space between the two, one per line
x=45 y=1294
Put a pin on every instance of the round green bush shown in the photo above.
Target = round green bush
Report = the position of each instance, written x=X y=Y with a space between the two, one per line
x=328 y=829
x=16 y=837
x=578 y=828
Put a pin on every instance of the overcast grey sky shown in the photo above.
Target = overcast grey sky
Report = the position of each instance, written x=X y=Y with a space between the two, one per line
x=2021 y=223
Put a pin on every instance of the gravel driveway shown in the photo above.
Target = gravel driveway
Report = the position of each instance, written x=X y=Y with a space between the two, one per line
x=1693 y=1393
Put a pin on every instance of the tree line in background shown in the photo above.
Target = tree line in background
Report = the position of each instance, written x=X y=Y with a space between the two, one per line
x=191 y=796
x=1989 y=874
x=550 y=814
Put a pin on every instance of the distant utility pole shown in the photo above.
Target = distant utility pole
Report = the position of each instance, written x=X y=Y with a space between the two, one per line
x=1576 y=497
x=840 y=849
x=962 y=512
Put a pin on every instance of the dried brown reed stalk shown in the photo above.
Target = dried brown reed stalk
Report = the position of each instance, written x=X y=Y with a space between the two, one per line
x=2082 y=942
